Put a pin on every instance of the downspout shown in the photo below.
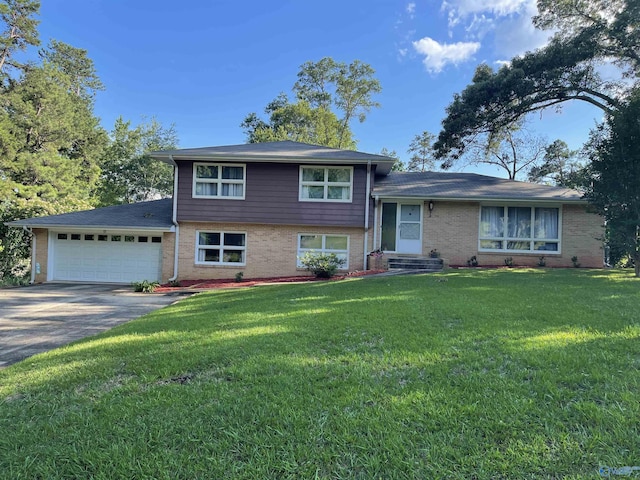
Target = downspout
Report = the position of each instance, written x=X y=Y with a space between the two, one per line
x=366 y=214
x=33 y=254
x=376 y=202
x=174 y=220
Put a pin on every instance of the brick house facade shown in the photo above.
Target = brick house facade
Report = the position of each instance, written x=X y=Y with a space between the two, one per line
x=256 y=208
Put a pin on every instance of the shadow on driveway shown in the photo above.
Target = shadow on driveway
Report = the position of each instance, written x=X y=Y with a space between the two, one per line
x=38 y=318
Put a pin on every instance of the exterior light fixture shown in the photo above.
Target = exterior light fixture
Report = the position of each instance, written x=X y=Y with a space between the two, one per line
x=430 y=207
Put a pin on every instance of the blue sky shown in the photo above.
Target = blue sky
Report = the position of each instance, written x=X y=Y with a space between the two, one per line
x=204 y=65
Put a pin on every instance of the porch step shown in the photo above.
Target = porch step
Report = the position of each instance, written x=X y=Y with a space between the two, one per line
x=416 y=263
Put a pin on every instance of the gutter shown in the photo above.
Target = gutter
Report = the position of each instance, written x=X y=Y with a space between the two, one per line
x=174 y=220
x=366 y=214
x=33 y=254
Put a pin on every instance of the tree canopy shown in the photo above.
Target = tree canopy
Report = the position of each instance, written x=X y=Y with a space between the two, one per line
x=329 y=96
x=615 y=181
x=566 y=69
x=128 y=174
x=561 y=167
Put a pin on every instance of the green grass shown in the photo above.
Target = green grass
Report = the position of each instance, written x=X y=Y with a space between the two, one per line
x=468 y=374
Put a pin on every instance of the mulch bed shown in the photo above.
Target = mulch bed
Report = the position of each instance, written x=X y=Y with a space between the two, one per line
x=250 y=282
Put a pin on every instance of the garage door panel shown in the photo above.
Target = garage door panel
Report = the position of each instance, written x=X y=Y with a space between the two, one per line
x=93 y=260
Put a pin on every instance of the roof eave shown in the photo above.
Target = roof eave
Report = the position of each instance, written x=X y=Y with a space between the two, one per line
x=480 y=199
x=383 y=167
x=20 y=223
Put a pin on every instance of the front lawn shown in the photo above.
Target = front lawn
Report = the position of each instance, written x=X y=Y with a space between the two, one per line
x=467 y=374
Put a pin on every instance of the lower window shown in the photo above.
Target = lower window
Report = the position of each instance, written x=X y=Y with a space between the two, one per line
x=220 y=248
x=519 y=229
x=338 y=244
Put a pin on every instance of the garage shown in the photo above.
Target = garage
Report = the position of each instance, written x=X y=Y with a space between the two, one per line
x=116 y=244
x=114 y=257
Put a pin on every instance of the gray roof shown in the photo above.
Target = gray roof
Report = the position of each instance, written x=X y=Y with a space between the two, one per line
x=284 y=151
x=468 y=186
x=153 y=215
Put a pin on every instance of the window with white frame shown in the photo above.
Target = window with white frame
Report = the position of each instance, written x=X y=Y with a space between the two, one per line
x=519 y=229
x=220 y=248
x=317 y=243
x=326 y=184
x=215 y=180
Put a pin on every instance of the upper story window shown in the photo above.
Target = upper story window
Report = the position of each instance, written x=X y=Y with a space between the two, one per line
x=519 y=229
x=215 y=180
x=326 y=184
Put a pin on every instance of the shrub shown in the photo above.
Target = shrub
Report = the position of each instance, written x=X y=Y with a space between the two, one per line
x=239 y=277
x=322 y=265
x=508 y=261
x=575 y=262
x=542 y=262
x=434 y=253
x=472 y=262
x=145 y=286
x=175 y=283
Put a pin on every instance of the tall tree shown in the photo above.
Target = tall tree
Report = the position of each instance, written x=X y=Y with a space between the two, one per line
x=52 y=144
x=561 y=167
x=615 y=188
x=421 y=151
x=329 y=95
x=21 y=29
x=76 y=66
x=298 y=122
x=128 y=173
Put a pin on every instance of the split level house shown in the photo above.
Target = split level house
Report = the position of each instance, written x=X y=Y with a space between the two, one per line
x=257 y=208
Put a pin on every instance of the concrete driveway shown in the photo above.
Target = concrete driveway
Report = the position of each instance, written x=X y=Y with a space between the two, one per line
x=38 y=318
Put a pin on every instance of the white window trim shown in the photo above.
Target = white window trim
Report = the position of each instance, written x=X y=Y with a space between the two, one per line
x=219 y=181
x=531 y=239
x=221 y=248
x=326 y=184
x=302 y=251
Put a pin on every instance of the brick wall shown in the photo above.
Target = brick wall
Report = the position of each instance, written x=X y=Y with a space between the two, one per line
x=42 y=253
x=271 y=250
x=452 y=229
x=168 y=247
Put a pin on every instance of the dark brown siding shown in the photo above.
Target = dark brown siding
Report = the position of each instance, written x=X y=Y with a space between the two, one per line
x=271 y=196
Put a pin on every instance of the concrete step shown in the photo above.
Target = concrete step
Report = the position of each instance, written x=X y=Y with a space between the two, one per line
x=416 y=263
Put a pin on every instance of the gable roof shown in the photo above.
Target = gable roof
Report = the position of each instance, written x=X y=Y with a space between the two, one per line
x=284 y=151
x=152 y=215
x=468 y=186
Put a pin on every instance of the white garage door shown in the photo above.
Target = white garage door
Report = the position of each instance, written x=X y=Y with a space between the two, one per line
x=113 y=257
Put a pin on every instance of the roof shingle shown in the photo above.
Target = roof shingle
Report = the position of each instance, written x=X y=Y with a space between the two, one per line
x=468 y=186
x=154 y=215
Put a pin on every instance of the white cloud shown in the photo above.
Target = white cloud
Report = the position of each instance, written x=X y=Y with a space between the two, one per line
x=516 y=35
x=438 y=55
x=460 y=9
x=411 y=9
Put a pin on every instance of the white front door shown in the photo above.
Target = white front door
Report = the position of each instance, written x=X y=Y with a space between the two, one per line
x=402 y=227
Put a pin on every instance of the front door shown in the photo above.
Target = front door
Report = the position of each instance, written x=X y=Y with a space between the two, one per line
x=401 y=227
